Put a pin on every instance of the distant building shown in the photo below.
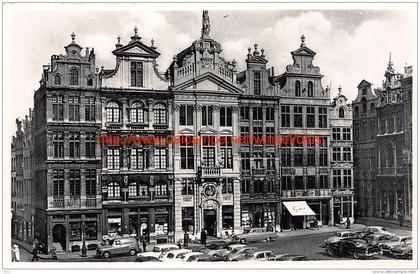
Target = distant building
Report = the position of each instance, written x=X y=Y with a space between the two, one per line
x=22 y=180
x=341 y=121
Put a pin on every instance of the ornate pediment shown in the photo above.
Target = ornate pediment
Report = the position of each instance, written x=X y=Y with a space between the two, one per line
x=208 y=82
x=136 y=49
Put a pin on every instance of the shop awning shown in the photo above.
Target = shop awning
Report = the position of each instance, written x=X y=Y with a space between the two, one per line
x=114 y=220
x=299 y=208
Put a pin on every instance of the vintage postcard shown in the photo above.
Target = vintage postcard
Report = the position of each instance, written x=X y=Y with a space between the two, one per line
x=209 y=135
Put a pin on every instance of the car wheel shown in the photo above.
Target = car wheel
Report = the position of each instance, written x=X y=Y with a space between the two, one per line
x=268 y=239
x=107 y=254
x=133 y=252
x=356 y=255
x=329 y=251
x=242 y=241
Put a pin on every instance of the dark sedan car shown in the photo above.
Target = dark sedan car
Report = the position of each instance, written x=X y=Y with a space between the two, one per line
x=288 y=257
x=358 y=248
x=143 y=259
x=217 y=244
x=211 y=259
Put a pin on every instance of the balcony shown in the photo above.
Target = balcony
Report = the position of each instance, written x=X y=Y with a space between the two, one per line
x=58 y=203
x=74 y=202
x=90 y=202
x=160 y=126
x=137 y=126
x=210 y=171
x=306 y=193
x=110 y=125
x=258 y=172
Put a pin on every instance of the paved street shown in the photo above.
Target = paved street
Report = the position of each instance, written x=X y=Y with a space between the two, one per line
x=308 y=245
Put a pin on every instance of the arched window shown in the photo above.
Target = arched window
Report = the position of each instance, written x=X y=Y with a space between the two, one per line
x=310 y=89
x=74 y=77
x=364 y=105
x=372 y=108
x=57 y=80
x=297 y=89
x=356 y=111
x=113 y=189
x=341 y=113
x=137 y=113
x=160 y=113
x=112 y=112
x=132 y=189
x=90 y=81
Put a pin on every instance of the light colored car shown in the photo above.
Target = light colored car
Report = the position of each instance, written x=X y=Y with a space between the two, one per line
x=288 y=257
x=186 y=257
x=254 y=256
x=237 y=253
x=174 y=255
x=160 y=249
x=403 y=251
x=254 y=235
x=378 y=230
x=224 y=252
x=394 y=241
x=377 y=239
x=119 y=246
x=337 y=237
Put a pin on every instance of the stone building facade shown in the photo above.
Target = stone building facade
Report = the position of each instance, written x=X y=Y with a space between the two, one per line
x=342 y=170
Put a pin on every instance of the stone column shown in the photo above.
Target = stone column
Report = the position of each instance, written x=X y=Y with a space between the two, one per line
x=66 y=188
x=83 y=187
x=235 y=146
x=124 y=116
x=82 y=109
x=236 y=206
x=49 y=108
x=66 y=108
x=50 y=146
x=50 y=188
x=151 y=114
x=66 y=144
x=82 y=145
x=98 y=188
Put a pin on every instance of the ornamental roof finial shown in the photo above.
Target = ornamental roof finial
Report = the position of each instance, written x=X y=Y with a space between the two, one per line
x=302 y=38
x=339 y=90
x=135 y=37
x=205 y=29
x=73 y=37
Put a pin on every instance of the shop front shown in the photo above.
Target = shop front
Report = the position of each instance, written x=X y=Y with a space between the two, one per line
x=296 y=215
x=259 y=215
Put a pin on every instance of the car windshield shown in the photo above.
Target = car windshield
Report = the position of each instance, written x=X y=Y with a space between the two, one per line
x=337 y=234
x=246 y=231
x=156 y=249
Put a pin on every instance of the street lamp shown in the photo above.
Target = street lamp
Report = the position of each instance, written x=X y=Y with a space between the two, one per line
x=83 y=240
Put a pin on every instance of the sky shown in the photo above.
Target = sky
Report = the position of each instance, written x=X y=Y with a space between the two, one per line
x=352 y=42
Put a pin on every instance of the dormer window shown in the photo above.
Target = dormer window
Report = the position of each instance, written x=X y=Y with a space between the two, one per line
x=364 y=90
x=364 y=105
x=257 y=83
x=310 y=89
x=136 y=74
x=57 y=80
x=90 y=81
x=297 y=89
x=74 y=77
x=341 y=113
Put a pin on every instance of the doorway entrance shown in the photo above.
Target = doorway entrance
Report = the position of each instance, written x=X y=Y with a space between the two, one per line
x=210 y=221
x=59 y=235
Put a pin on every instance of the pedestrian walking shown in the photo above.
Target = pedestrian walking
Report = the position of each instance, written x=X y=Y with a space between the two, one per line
x=34 y=252
x=144 y=244
x=179 y=244
x=15 y=253
x=186 y=238
x=203 y=237
x=401 y=219
x=348 y=223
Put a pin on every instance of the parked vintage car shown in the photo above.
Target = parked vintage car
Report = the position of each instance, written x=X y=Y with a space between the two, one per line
x=393 y=241
x=338 y=236
x=288 y=257
x=119 y=246
x=146 y=259
x=378 y=230
x=160 y=249
x=217 y=244
x=254 y=234
x=207 y=258
x=224 y=252
x=377 y=239
x=185 y=257
x=358 y=248
x=233 y=256
x=254 y=256
x=174 y=255
x=403 y=251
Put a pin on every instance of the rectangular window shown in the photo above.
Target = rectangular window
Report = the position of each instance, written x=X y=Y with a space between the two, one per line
x=245 y=186
x=58 y=183
x=298 y=121
x=399 y=121
x=74 y=145
x=336 y=179
x=187 y=187
x=322 y=117
x=336 y=134
x=257 y=113
x=245 y=161
x=244 y=112
x=258 y=186
x=138 y=158
x=58 y=144
x=132 y=189
x=208 y=152
x=271 y=187
x=257 y=135
x=226 y=150
x=270 y=157
x=323 y=152
x=299 y=182
x=186 y=114
x=136 y=74
x=57 y=108
x=269 y=114
x=244 y=131
x=286 y=182
x=90 y=182
x=90 y=109
x=347 y=133
x=285 y=116
x=90 y=145
x=258 y=158
x=347 y=178
x=113 y=158
x=270 y=135
x=347 y=154
x=298 y=153
x=187 y=152
x=311 y=156
x=74 y=108
x=207 y=116
x=227 y=185
x=286 y=158
x=74 y=179
x=257 y=83
x=311 y=182
x=323 y=181
x=226 y=116
x=390 y=122
x=160 y=158
x=336 y=153
x=161 y=190
x=310 y=117
x=75 y=231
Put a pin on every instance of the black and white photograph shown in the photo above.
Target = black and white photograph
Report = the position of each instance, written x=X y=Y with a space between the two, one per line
x=209 y=135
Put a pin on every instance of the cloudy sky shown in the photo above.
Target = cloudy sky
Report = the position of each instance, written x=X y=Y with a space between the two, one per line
x=352 y=42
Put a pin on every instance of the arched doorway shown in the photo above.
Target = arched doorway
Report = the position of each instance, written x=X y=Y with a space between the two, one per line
x=59 y=235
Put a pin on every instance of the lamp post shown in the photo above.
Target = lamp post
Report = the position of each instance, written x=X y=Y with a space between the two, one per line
x=83 y=240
